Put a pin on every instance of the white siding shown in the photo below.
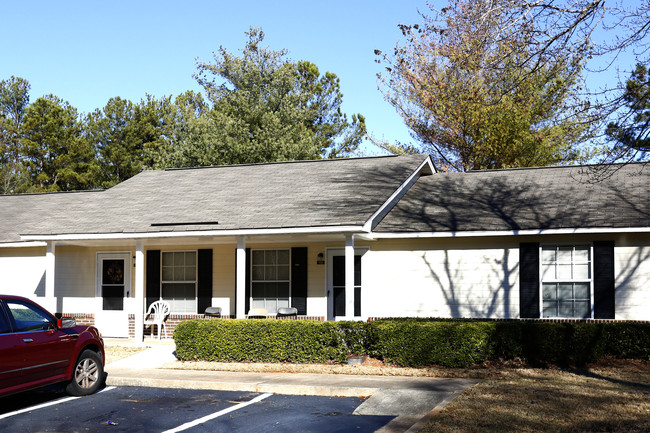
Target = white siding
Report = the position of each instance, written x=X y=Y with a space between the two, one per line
x=22 y=271
x=76 y=278
x=632 y=270
x=462 y=277
x=440 y=282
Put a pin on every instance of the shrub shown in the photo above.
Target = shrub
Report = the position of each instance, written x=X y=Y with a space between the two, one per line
x=627 y=340
x=411 y=342
x=562 y=343
x=419 y=343
x=265 y=340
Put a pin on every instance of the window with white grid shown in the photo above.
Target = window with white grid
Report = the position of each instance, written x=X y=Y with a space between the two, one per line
x=566 y=280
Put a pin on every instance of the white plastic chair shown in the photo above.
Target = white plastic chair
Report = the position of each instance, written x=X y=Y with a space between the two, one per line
x=156 y=316
x=257 y=313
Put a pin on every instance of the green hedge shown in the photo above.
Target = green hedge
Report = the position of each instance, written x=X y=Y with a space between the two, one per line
x=418 y=343
x=410 y=342
x=266 y=340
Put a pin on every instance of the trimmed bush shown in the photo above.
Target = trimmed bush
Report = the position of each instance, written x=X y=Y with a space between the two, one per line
x=266 y=340
x=460 y=343
x=411 y=342
x=419 y=343
x=628 y=340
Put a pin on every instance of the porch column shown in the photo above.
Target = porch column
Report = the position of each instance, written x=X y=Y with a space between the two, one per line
x=50 y=265
x=349 y=276
x=139 y=292
x=240 y=284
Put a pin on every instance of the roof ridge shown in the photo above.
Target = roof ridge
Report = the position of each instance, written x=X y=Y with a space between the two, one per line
x=23 y=194
x=548 y=167
x=295 y=161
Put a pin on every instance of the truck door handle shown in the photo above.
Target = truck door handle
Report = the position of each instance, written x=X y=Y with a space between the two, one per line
x=27 y=340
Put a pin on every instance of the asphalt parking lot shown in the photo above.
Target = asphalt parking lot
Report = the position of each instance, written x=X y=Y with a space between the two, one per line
x=143 y=409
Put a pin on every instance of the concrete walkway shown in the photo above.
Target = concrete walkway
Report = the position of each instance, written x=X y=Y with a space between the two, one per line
x=412 y=400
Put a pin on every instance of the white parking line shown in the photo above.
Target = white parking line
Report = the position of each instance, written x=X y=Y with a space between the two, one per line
x=218 y=414
x=49 y=403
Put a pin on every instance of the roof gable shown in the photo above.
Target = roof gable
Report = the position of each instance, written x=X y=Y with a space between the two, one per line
x=524 y=199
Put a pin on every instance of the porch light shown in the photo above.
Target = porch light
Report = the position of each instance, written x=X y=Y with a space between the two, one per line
x=321 y=259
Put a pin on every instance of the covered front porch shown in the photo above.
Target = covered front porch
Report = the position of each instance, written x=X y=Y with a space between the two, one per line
x=110 y=281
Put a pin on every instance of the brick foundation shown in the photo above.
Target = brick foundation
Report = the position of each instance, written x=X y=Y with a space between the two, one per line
x=86 y=319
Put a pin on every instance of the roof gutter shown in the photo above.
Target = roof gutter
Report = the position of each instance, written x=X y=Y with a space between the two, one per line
x=194 y=233
x=22 y=244
x=488 y=233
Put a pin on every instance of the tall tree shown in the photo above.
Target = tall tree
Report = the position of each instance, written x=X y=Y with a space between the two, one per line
x=266 y=107
x=602 y=31
x=477 y=95
x=116 y=134
x=181 y=132
x=55 y=154
x=14 y=99
x=631 y=132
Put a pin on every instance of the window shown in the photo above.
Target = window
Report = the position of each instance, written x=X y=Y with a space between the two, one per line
x=179 y=280
x=28 y=318
x=4 y=324
x=112 y=283
x=270 y=279
x=566 y=281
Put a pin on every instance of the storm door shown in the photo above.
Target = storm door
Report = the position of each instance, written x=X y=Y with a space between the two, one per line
x=113 y=290
x=336 y=283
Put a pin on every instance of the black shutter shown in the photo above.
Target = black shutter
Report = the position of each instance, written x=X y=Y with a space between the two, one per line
x=357 y=286
x=299 y=279
x=528 y=280
x=604 y=285
x=153 y=276
x=204 y=280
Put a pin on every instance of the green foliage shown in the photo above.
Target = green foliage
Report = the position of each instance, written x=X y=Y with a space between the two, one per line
x=54 y=153
x=266 y=107
x=115 y=132
x=460 y=343
x=265 y=340
x=14 y=99
x=260 y=107
x=627 y=340
x=411 y=342
x=477 y=96
x=181 y=132
x=631 y=132
x=415 y=343
x=561 y=343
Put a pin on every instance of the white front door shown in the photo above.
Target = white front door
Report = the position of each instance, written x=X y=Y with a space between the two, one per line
x=113 y=288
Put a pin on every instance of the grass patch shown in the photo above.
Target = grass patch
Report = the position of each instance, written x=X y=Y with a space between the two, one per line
x=611 y=396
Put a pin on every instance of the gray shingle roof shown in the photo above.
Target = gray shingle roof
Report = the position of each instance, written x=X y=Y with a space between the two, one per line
x=22 y=212
x=524 y=199
x=331 y=193
x=279 y=195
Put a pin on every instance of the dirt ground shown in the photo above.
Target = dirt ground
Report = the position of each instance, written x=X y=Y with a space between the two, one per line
x=115 y=353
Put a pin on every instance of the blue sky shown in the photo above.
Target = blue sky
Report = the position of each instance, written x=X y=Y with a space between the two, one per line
x=86 y=52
